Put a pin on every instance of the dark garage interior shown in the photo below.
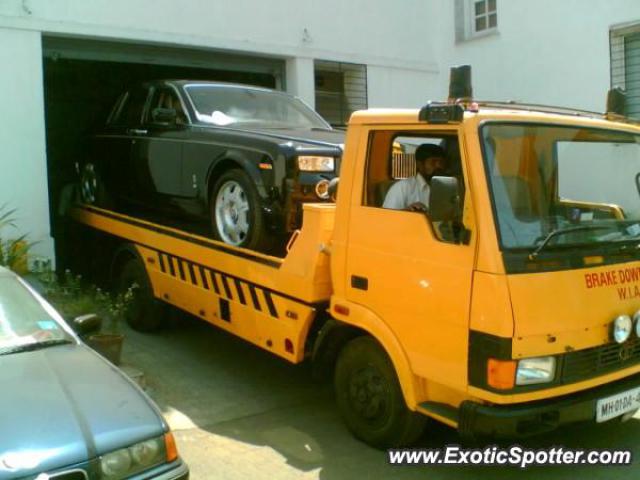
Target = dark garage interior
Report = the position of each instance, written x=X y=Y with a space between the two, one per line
x=83 y=80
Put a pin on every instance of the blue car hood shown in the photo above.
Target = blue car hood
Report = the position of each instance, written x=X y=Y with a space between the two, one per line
x=64 y=405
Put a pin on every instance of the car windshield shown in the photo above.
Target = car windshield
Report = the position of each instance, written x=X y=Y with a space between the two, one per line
x=249 y=107
x=24 y=320
x=555 y=186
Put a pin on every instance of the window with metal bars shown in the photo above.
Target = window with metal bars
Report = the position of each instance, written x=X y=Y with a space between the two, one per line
x=624 y=43
x=341 y=89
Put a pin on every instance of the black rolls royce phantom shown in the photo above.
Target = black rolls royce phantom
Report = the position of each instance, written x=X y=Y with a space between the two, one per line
x=242 y=158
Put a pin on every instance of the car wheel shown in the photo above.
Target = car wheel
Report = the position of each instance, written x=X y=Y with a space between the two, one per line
x=370 y=399
x=144 y=312
x=92 y=189
x=236 y=218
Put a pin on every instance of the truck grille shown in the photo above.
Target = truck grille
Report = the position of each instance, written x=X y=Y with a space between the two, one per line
x=596 y=361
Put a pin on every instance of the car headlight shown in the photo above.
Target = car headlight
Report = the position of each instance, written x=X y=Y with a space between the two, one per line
x=316 y=164
x=134 y=459
x=621 y=328
x=535 y=370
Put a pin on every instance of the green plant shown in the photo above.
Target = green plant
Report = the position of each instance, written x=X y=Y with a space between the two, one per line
x=115 y=306
x=72 y=298
x=13 y=251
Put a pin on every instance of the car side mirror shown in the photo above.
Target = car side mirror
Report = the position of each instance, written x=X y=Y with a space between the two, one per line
x=444 y=199
x=164 y=115
x=86 y=324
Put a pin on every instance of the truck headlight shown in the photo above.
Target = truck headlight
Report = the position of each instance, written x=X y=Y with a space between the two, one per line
x=134 y=459
x=316 y=164
x=621 y=328
x=535 y=370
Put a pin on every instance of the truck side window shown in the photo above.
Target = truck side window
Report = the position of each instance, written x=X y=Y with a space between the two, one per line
x=400 y=166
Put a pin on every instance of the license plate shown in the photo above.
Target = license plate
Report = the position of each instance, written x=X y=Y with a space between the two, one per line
x=616 y=405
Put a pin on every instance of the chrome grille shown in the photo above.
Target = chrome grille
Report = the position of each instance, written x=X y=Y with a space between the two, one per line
x=68 y=475
x=596 y=361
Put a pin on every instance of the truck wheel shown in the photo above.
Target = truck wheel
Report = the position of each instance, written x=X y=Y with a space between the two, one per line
x=370 y=399
x=236 y=218
x=145 y=313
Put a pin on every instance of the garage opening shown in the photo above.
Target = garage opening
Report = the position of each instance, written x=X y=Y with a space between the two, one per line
x=83 y=78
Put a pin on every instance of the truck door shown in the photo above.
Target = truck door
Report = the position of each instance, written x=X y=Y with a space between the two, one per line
x=413 y=273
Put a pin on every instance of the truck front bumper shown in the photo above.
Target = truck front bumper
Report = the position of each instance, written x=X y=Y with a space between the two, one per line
x=532 y=418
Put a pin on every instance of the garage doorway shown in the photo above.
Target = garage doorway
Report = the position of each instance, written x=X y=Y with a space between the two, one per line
x=83 y=78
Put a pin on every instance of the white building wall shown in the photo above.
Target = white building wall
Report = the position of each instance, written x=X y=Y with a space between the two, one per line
x=547 y=51
x=381 y=35
x=23 y=166
x=300 y=79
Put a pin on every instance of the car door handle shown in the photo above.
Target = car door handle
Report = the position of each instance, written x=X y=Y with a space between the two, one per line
x=137 y=131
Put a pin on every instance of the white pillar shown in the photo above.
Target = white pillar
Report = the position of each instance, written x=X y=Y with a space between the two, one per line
x=301 y=79
x=23 y=162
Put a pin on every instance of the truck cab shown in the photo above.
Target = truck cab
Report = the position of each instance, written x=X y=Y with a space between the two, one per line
x=509 y=306
x=514 y=315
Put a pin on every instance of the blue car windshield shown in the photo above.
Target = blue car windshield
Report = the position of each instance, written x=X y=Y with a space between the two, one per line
x=24 y=319
x=224 y=105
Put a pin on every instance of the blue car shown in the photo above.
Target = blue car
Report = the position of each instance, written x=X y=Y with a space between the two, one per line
x=65 y=412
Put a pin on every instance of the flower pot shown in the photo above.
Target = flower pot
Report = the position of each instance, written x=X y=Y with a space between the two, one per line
x=108 y=345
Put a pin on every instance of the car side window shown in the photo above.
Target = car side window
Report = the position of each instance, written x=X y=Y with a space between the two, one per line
x=131 y=111
x=165 y=98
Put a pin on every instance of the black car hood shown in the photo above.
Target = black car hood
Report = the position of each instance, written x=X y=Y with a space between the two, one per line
x=333 y=137
x=63 y=405
x=299 y=137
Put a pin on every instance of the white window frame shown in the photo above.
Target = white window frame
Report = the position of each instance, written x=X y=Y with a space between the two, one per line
x=465 y=18
x=473 y=17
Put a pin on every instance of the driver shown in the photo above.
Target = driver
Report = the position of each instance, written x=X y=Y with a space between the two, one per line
x=412 y=193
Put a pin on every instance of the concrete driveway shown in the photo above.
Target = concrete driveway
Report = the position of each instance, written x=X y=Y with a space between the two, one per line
x=239 y=412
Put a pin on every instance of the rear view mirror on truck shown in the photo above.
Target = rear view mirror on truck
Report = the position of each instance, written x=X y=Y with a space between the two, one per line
x=444 y=200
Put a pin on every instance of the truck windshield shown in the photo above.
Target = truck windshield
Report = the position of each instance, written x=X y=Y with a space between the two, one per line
x=557 y=186
x=249 y=107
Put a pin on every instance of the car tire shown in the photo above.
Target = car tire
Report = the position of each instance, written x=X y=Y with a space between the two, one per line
x=236 y=216
x=145 y=313
x=91 y=189
x=370 y=399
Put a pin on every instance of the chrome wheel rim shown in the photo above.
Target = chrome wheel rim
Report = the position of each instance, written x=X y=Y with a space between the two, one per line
x=88 y=184
x=232 y=213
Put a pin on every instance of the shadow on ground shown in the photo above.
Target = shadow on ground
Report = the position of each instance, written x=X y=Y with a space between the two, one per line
x=240 y=412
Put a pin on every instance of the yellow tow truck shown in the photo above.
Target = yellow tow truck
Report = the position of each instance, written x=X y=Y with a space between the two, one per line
x=511 y=308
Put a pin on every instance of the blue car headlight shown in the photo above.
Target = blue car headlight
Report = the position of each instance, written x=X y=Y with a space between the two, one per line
x=134 y=459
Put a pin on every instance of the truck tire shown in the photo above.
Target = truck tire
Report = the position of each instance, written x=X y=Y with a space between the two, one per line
x=145 y=313
x=236 y=217
x=370 y=399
